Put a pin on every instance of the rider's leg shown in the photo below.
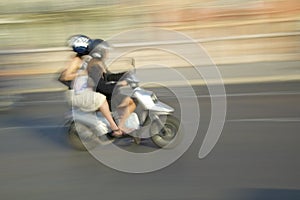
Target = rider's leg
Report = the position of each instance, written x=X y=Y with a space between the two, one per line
x=104 y=109
x=124 y=110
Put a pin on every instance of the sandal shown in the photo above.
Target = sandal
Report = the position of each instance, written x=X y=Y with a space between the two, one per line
x=113 y=133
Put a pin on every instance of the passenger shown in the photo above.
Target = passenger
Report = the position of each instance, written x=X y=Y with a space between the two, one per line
x=83 y=95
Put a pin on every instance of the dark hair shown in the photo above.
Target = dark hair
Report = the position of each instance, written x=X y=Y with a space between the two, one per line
x=95 y=62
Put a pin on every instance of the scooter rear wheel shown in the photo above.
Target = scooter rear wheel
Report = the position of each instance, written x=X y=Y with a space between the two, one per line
x=86 y=141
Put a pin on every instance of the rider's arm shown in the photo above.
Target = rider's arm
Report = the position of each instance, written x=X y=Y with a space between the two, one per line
x=70 y=72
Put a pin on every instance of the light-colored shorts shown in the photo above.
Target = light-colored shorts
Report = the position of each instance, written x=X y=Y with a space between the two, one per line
x=87 y=100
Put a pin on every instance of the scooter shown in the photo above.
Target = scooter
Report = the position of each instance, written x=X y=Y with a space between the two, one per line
x=151 y=119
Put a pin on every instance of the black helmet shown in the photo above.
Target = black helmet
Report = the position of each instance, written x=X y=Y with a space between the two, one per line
x=98 y=48
x=80 y=44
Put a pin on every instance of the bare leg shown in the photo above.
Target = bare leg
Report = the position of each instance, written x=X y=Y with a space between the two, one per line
x=125 y=109
x=104 y=109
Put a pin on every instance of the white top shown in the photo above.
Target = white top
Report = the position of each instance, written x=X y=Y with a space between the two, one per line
x=80 y=83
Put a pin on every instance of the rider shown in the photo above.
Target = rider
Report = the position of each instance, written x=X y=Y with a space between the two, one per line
x=82 y=94
x=98 y=50
x=107 y=81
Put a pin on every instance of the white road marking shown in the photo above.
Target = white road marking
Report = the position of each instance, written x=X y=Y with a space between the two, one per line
x=30 y=127
x=201 y=96
x=253 y=94
x=230 y=120
x=40 y=102
x=183 y=96
x=266 y=120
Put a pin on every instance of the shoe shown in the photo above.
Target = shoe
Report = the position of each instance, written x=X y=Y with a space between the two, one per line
x=113 y=133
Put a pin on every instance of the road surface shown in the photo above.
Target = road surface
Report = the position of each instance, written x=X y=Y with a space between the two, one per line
x=256 y=157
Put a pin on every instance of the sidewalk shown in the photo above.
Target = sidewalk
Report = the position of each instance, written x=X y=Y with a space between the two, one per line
x=231 y=74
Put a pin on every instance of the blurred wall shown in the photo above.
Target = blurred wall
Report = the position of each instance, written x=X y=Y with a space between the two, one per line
x=232 y=31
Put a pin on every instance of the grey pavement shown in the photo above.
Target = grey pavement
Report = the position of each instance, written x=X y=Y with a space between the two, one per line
x=256 y=157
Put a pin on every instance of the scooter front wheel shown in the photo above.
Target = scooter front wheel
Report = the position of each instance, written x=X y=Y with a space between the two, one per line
x=169 y=135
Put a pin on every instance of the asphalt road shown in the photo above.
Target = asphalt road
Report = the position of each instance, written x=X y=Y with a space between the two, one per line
x=256 y=157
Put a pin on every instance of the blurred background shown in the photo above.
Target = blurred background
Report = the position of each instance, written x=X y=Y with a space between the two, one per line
x=232 y=31
x=256 y=46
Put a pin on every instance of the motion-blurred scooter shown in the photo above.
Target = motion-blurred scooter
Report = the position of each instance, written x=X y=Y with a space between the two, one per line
x=151 y=119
